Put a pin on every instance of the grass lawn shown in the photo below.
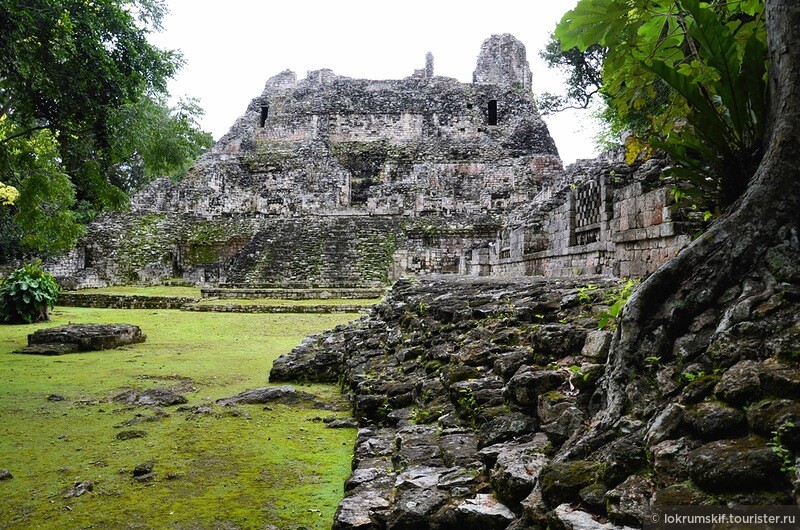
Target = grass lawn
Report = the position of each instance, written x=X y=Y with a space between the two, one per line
x=146 y=290
x=366 y=302
x=227 y=468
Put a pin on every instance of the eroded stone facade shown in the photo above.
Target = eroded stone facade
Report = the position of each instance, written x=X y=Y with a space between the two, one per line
x=331 y=181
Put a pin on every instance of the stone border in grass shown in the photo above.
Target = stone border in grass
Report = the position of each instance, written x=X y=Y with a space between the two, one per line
x=117 y=301
x=112 y=301
x=261 y=308
x=293 y=294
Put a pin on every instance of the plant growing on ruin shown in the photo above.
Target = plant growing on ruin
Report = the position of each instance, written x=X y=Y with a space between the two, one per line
x=780 y=449
x=577 y=371
x=384 y=410
x=27 y=295
x=585 y=296
x=616 y=300
x=466 y=402
x=691 y=376
x=423 y=309
x=425 y=416
x=687 y=77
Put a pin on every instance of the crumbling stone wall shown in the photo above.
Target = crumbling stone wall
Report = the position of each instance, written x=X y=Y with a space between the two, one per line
x=502 y=61
x=470 y=393
x=333 y=181
x=601 y=217
x=422 y=145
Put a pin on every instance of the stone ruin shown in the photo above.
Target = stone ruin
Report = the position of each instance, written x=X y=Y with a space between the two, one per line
x=330 y=182
x=74 y=338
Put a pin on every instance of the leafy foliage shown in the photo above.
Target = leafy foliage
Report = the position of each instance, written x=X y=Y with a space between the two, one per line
x=42 y=211
x=616 y=301
x=584 y=70
x=710 y=58
x=779 y=447
x=8 y=194
x=82 y=110
x=27 y=295
x=155 y=141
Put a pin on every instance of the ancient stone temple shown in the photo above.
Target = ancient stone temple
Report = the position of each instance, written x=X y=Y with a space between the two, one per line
x=333 y=182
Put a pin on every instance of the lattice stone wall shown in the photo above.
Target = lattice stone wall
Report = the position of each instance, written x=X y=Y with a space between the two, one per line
x=587 y=203
x=601 y=217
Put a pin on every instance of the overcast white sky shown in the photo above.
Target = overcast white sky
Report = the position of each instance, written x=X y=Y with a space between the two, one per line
x=232 y=47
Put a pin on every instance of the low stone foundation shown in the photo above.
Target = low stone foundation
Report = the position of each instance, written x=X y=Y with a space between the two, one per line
x=81 y=337
x=261 y=308
x=291 y=294
x=114 y=301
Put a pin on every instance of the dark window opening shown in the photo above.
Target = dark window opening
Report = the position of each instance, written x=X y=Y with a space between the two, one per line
x=88 y=258
x=264 y=114
x=492 y=112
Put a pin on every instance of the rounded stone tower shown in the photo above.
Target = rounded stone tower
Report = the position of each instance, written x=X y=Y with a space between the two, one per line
x=503 y=61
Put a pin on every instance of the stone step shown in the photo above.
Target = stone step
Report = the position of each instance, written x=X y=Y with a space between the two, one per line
x=117 y=301
x=261 y=308
x=227 y=305
x=293 y=294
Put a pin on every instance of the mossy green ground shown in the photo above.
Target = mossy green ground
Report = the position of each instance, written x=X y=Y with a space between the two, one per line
x=244 y=467
x=366 y=302
x=149 y=290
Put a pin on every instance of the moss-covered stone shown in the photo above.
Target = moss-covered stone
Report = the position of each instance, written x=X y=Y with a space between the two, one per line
x=561 y=482
x=682 y=494
x=735 y=465
x=711 y=420
x=777 y=416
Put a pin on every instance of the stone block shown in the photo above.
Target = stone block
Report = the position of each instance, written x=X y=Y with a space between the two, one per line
x=81 y=337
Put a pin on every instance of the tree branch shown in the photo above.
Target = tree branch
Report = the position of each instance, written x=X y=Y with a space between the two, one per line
x=24 y=133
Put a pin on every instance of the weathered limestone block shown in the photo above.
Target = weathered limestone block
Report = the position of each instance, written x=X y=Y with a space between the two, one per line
x=744 y=464
x=482 y=511
x=516 y=472
x=629 y=502
x=525 y=387
x=81 y=337
x=564 y=516
x=153 y=397
x=712 y=421
x=361 y=511
x=286 y=394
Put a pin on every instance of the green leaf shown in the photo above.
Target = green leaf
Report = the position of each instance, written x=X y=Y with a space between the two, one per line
x=718 y=48
x=590 y=22
x=753 y=83
x=708 y=122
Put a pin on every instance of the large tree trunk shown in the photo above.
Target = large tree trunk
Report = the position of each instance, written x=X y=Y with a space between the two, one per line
x=749 y=252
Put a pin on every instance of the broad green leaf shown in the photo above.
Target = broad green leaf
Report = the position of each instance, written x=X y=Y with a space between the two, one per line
x=753 y=83
x=719 y=50
x=590 y=22
x=707 y=116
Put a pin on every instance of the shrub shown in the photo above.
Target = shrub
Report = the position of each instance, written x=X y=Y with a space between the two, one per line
x=27 y=295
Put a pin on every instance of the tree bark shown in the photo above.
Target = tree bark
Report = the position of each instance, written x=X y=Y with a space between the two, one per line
x=732 y=252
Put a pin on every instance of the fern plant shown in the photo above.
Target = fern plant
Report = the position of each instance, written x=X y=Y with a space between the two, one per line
x=723 y=81
x=711 y=59
x=27 y=295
